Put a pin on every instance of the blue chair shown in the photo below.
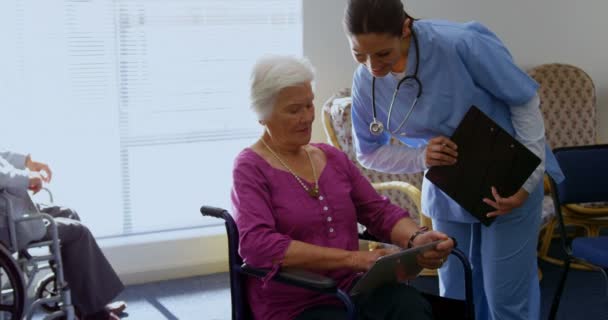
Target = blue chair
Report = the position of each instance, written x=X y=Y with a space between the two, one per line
x=443 y=308
x=586 y=171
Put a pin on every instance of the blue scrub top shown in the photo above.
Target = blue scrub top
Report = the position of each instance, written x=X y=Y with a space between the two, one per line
x=461 y=64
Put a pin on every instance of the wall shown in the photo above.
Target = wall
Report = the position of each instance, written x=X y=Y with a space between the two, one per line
x=536 y=32
x=167 y=255
x=327 y=48
x=562 y=33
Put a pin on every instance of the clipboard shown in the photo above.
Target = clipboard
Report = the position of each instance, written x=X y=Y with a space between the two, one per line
x=384 y=270
x=487 y=156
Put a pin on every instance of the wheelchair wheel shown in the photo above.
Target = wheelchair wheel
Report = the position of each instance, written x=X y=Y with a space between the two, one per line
x=12 y=296
x=46 y=288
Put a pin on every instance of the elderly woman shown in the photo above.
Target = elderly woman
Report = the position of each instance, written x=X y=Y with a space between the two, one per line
x=297 y=205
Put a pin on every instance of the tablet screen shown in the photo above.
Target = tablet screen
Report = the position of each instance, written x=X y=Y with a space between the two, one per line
x=384 y=270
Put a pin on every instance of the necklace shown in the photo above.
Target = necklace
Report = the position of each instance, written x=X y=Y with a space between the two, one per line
x=314 y=191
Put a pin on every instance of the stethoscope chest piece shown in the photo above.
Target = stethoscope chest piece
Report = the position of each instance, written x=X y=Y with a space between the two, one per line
x=376 y=127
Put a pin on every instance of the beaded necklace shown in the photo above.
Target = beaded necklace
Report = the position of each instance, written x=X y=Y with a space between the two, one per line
x=314 y=191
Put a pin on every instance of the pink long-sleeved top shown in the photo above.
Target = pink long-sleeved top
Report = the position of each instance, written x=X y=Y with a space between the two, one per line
x=272 y=209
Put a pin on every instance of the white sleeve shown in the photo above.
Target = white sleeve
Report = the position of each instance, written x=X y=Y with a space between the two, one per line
x=12 y=178
x=529 y=127
x=394 y=159
x=14 y=158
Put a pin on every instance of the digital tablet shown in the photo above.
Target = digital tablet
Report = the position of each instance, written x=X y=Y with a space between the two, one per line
x=384 y=270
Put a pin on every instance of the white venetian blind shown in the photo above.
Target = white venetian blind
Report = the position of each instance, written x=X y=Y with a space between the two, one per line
x=139 y=106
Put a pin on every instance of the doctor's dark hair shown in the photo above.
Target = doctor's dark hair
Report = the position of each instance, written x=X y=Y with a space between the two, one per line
x=374 y=16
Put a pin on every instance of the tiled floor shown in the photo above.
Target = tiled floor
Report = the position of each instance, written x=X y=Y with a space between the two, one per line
x=205 y=297
x=208 y=297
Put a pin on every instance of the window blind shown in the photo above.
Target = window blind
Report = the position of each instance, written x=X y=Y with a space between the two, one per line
x=140 y=106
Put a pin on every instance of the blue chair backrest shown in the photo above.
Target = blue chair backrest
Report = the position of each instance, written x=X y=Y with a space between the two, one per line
x=586 y=172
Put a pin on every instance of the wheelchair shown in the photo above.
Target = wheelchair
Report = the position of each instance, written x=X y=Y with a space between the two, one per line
x=21 y=261
x=443 y=308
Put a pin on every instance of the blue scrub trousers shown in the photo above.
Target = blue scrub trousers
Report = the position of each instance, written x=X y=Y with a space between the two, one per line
x=504 y=263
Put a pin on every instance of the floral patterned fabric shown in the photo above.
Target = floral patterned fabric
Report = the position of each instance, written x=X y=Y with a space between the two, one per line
x=337 y=108
x=567 y=101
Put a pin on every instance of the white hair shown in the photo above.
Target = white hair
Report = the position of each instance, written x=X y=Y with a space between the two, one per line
x=273 y=73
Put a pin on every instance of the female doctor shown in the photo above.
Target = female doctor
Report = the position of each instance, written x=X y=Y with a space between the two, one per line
x=416 y=81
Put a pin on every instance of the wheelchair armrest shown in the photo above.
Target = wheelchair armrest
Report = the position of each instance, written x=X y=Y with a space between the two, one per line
x=367 y=236
x=295 y=277
x=49 y=194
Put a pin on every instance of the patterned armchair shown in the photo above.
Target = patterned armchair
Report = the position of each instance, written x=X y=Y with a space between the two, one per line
x=568 y=104
x=402 y=189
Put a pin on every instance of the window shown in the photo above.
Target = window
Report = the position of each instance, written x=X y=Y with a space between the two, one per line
x=139 y=106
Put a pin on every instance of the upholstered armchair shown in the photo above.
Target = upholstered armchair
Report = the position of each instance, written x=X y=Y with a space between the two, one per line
x=568 y=104
x=401 y=189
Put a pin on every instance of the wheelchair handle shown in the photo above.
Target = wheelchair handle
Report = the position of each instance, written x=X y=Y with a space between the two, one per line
x=215 y=212
x=468 y=275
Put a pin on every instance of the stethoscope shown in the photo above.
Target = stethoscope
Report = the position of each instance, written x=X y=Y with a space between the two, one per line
x=376 y=127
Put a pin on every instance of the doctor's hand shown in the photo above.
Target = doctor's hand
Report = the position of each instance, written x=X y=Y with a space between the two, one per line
x=364 y=260
x=42 y=168
x=505 y=205
x=434 y=258
x=440 y=151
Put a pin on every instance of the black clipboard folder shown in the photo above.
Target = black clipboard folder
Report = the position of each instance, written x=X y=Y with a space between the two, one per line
x=487 y=156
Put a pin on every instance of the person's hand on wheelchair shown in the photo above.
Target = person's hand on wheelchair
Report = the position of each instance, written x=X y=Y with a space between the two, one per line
x=36 y=181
